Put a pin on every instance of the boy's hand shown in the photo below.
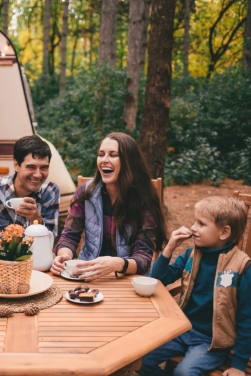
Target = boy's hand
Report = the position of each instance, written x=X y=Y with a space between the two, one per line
x=177 y=237
x=233 y=372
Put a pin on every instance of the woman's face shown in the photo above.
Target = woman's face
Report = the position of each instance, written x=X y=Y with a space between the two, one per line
x=108 y=161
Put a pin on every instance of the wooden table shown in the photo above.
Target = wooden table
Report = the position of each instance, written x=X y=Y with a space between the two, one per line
x=70 y=339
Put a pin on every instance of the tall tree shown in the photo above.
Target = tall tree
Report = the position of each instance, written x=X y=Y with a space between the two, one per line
x=247 y=41
x=107 y=43
x=143 y=47
x=46 y=37
x=217 y=51
x=153 y=134
x=135 y=37
x=186 y=36
x=5 y=16
x=63 y=46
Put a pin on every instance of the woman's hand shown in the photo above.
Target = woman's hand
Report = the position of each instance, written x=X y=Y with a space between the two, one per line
x=99 y=267
x=177 y=237
x=57 y=266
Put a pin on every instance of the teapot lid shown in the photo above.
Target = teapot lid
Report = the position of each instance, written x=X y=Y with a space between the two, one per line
x=36 y=230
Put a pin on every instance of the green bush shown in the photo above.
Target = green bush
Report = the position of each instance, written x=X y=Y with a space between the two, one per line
x=75 y=122
x=219 y=113
x=209 y=128
x=194 y=165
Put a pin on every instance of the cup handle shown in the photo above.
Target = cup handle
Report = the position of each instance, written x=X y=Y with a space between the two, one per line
x=8 y=203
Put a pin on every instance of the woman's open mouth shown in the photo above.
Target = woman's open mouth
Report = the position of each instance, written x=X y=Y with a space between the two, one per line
x=107 y=171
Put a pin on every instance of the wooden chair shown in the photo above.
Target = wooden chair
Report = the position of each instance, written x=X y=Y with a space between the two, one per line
x=157 y=183
x=244 y=245
x=4 y=171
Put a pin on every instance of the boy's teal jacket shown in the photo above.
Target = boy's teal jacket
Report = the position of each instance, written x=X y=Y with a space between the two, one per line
x=215 y=295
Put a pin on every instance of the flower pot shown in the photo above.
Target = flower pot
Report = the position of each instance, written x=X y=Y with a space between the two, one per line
x=15 y=275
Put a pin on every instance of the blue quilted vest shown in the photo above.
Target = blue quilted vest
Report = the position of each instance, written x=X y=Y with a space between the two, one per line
x=94 y=228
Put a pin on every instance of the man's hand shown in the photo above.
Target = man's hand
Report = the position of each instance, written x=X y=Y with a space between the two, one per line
x=177 y=237
x=233 y=372
x=29 y=210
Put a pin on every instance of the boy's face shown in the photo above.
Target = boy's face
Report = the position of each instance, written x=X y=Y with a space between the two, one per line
x=205 y=233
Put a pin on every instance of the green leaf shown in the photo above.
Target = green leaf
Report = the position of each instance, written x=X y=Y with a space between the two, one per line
x=24 y=257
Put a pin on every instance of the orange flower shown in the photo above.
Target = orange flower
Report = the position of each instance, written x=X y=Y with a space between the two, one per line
x=15 y=230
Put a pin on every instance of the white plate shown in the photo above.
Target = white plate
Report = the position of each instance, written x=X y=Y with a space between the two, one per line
x=97 y=299
x=40 y=282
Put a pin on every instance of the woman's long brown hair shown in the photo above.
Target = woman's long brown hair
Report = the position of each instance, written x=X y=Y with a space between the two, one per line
x=136 y=194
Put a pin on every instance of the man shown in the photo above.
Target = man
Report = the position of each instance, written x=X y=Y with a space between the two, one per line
x=41 y=197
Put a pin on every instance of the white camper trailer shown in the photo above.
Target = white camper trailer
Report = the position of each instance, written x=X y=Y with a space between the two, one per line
x=17 y=120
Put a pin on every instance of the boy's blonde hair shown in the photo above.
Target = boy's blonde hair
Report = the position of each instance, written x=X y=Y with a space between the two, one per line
x=226 y=211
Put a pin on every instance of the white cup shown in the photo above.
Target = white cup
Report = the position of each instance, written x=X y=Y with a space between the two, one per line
x=70 y=266
x=144 y=286
x=14 y=203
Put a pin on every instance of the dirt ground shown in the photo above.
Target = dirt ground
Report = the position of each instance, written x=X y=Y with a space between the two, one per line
x=180 y=200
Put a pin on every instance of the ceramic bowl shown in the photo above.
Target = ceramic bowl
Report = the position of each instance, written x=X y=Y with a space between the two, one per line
x=144 y=286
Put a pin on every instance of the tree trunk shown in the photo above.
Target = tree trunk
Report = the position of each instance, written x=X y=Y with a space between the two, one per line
x=107 y=32
x=47 y=14
x=143 y=48
x=247 y=41
x=5 y=16
x=135 y=33
x=186 y=37
x=153 y=135
x=64 y=46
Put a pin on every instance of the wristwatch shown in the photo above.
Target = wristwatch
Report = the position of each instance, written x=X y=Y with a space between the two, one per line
x=125 y=267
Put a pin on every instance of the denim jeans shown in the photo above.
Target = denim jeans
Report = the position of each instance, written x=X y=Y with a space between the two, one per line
x=193 y=345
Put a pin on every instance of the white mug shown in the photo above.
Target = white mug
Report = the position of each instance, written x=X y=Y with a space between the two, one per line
x=70 y=266
x=14 y=203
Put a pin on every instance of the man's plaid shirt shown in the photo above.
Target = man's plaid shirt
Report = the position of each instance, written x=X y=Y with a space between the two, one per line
x=47 y=199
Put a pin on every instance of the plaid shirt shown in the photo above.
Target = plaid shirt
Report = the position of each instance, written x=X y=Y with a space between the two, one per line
x=141 y=250
x=47 y=199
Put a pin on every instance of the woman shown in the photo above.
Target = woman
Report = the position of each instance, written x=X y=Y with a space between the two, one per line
x=119 y=211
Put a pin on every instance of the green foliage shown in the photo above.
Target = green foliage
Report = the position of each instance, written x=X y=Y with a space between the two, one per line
x=209 y=130
x=76 y=122
x=194 y=165
x=216 y=114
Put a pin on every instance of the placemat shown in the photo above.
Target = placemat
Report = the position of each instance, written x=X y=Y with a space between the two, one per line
x=31 y=304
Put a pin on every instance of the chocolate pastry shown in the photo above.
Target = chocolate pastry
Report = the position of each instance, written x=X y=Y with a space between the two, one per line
x=84 y=293
x=88 y=296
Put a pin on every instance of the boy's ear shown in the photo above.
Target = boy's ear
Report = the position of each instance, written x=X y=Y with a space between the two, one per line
x=15 y=165
x=225 y=233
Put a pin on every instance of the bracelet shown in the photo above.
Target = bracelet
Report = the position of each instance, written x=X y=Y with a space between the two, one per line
x=125 y=267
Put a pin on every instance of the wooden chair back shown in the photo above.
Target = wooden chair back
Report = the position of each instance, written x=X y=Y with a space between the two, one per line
x=245 y=243
x=157 y=183
x=4 y=171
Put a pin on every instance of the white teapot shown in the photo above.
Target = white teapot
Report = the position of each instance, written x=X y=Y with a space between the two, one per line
x=41 y=247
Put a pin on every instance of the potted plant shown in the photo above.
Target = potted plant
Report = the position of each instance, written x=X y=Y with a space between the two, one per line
x=15 y=260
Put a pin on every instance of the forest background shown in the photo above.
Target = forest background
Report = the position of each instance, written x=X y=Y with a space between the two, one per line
x=175 y=74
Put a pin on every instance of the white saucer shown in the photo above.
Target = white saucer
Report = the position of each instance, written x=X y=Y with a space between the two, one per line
x=40 y=282
x=97 y=299
x=66 y=275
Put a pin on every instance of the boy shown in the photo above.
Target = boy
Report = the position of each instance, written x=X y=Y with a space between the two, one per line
x=215 y=295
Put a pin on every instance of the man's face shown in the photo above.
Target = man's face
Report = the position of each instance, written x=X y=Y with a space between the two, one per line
x=30 y=174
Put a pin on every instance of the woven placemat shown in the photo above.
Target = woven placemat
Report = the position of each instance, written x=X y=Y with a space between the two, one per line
x=44 y=300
